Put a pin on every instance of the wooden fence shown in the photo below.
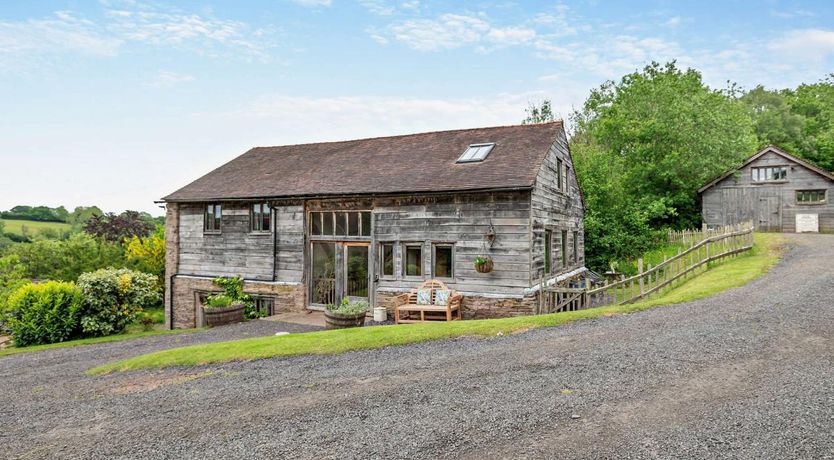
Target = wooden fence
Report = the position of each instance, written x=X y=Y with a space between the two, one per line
x=712 y=245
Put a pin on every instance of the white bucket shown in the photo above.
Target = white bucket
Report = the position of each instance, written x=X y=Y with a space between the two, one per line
x=380 y=314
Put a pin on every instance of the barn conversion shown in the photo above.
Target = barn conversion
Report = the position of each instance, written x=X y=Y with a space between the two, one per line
x=307 y=225
x=776 y=190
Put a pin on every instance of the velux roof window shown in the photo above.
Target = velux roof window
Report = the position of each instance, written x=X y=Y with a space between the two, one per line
x=476 y=152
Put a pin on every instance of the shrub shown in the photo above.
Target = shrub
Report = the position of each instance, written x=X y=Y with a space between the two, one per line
x=349 y=308
x=218 y=301
x=148 y=254
x=113 y=298
x=66 y=260
x=44 y=313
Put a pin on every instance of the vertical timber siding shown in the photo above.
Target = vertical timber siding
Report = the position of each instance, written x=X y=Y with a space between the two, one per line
x=738 y=198
x=556 y=210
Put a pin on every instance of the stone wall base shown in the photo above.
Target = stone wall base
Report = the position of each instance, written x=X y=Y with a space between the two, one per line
x=479 y=307
x=186 y=291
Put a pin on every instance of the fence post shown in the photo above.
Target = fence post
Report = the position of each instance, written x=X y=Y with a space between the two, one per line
x=640 y=276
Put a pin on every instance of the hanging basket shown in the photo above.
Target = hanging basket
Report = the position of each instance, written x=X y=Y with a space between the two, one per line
x=484 y=267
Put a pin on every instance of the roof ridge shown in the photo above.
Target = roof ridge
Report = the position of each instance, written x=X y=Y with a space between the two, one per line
x=519 y=125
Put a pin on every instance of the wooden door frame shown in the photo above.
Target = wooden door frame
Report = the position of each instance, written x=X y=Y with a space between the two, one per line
x=345 y=245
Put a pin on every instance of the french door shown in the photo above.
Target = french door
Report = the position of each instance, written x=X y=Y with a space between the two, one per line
x=339 y=270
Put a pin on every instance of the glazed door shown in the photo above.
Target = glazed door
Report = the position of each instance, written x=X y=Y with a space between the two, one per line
x=356 y=273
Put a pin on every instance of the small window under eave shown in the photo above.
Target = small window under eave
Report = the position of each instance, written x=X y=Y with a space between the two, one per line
x=476 y=152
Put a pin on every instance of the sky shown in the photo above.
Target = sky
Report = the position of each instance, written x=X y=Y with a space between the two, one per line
x=117 y=103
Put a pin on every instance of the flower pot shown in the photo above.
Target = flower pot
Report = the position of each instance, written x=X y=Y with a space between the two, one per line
x=340 y=321
x=484 y=267
x=224 y=315
x=380 y=314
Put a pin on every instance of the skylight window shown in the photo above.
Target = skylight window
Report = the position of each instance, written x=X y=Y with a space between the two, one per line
x=476 y=152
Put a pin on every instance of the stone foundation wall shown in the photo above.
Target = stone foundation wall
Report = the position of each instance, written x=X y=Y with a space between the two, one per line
x=186 y=289
x=479 y=307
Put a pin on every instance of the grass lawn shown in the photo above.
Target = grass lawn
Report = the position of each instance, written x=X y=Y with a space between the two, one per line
x=133 y=331
x=729 y=274
x=32 y=226
x=130 y=334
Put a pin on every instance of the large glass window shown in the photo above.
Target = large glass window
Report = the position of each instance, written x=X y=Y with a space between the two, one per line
x=413 y=265
x=444 y=265
x=211 y=221
x=340 y=223
x=810 y=196
x=770 y=173
x=386 y=258
x=324 y=273
x=260 y=217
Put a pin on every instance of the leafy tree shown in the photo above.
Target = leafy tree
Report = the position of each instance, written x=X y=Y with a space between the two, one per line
x=815 y=102
x=66 y=260
x=11 y=278
x=148 y=254
x=774 y=120
x=38 y=213
x=643 y=147
x=117 y=228
x=541 y=113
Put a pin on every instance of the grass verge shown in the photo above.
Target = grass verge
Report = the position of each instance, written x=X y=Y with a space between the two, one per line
x=729 y=274
x=75 y=343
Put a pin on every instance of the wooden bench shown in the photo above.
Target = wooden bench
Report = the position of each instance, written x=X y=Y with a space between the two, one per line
x=406 y=304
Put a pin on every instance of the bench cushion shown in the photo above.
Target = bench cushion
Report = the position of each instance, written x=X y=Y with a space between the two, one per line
x=441 y=296
x=424 y=296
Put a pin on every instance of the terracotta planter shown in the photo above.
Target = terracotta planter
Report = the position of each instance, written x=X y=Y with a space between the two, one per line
x=339 y=321
x=224 y=315
x=485 y=267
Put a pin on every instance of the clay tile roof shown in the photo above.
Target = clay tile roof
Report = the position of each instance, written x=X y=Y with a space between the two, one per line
x=384 y=165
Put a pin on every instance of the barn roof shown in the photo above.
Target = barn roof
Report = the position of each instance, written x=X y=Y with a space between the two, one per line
x=415 y=163
x=759 y=154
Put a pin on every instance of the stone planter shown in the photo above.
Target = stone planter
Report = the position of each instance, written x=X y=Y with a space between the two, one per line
x=339 y=321
x=224 y=315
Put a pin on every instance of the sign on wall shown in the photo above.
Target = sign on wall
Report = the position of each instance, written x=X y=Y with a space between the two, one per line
x=807 y=223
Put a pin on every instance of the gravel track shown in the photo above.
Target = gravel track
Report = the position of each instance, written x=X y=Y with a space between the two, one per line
x=745 y=374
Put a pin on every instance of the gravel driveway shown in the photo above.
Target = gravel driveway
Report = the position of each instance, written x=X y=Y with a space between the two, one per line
x=745 y=374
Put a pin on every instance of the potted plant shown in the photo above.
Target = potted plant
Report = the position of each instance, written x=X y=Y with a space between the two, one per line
x=220 y=309
x=346 y=314
x=226 y=307
x=483 y=264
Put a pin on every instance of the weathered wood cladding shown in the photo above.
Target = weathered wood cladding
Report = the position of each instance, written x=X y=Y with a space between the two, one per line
x=770 y=205
x=556 y=210
x=232 y=251
x=464 y=220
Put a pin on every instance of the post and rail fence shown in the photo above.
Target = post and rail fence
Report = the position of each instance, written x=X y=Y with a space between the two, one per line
x=701 y=247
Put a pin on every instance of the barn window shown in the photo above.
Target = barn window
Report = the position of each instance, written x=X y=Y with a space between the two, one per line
x=810 y=196
x=211 y=220
x=559 y=174
x=443 y=261
x=259 y=218
x=386 y=258
x=342 y=223
x=548 y=238
x=476 y=152
x=564 y=248
x=769 y=173
x=576 y=246
x=413 y=265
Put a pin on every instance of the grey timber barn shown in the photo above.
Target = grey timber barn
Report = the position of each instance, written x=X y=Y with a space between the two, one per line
x=307 y=225
x=776 y=190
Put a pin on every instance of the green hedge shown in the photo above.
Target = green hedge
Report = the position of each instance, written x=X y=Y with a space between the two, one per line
x=45 y=313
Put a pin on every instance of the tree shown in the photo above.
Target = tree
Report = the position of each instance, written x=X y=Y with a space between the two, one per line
x=815 y=102
x=775 y=122
x=542 y=113
x=66 y=260
x=148 y=254
x=643 y=147
x=117 y=228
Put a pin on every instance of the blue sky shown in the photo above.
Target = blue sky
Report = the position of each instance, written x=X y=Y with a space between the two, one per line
x=119 y=102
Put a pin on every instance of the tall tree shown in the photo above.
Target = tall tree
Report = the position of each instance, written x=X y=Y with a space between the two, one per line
x=541 y=113
x=643 y=147
x=117 y=228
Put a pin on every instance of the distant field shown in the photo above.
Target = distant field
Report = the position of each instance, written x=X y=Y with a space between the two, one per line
x=33 y=227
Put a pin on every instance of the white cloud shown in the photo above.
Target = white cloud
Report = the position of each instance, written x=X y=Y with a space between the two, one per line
x=378 y=7
x=58 y=33
x=66 y=32
x=511 y=35
x=815 y=45
x=446 y=32
x=166 y=79
x=673 y=21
